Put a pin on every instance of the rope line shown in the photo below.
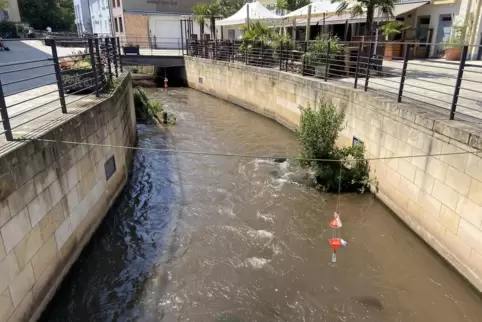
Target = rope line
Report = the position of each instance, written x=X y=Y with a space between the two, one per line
x=250 y=156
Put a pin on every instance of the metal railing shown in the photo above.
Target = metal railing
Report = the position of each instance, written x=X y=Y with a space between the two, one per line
x=389 y=68
x=32 y=89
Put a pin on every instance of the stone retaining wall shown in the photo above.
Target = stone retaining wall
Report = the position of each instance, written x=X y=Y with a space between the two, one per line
x=54 y=195
x=439 y=197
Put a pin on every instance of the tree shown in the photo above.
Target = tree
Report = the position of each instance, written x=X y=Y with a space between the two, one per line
x=386 y=7
x=40 y=14
x=344 y=169
x=213 y=12
x=3 y=4
x=280 y=7
x=204 y=12
x=200 y=10
x=230 y=7
x=292 y=5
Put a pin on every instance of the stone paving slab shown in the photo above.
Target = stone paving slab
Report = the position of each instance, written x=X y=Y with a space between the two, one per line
x=432 y=82
x=27 y=121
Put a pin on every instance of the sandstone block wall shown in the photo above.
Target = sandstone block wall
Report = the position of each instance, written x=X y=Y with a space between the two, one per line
x=52 y=198
x=439 y=197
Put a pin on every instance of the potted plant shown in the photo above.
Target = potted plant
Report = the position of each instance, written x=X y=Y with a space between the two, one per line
x=131 y=49
x=257 y=40
x=392 y=31
x=457 y=40
x=319 y=53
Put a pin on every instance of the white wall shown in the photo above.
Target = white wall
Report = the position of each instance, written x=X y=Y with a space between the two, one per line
x=100 y=15
x=13 y=12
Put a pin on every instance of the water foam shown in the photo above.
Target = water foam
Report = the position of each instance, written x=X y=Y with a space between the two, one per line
x=257 y=263
x=260 y=234
x=265 y=217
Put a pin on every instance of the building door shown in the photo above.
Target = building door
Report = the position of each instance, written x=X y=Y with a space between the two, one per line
x=443 y=33
x=166 y=30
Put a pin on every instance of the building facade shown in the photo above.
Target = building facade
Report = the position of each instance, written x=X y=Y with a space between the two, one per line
x=83 y=20
x=100 y=15
x=151 y=23
x=11 y=12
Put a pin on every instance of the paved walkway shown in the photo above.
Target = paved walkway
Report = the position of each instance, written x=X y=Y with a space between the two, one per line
x=37 y=108
x=432 y=83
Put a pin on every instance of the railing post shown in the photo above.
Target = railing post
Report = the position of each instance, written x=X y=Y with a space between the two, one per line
x=99 y=61
x=233 y=53
x=369 y=62
x=262 y=55
x=58 y=76
x=120 y=55
x=303 y=65
x=287 y=55
x=94 y=68
x=327 y=62
x=109 y=67
x=458 y=82
x=4 y=114
x=114 y=51
x=215 y=50
x=246 y=54
x=360 y=48
x=404 y=72
x=281 y=56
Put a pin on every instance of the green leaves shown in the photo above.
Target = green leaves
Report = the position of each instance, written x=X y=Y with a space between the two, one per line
x=230 y=7
x=57 y=14
x=292 y=5
x=318 y=50
x=360 y=7
x=318 y=132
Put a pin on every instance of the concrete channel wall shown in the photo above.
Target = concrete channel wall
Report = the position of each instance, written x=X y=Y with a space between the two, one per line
x=439 y=197
x=54 y=195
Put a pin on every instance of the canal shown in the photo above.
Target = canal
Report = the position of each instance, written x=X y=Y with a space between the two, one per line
x=212 y=238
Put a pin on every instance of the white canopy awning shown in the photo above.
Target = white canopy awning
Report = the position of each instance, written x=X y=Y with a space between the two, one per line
x=334 y=19
x=257 y=12
x=317 y=8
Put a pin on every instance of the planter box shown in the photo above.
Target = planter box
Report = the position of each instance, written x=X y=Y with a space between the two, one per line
x=453 y=54
x=131 y=50
x=392 y=51
x=78 y=80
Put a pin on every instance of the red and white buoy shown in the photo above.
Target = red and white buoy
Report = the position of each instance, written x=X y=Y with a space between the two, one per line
x=336 y=241
x=165 y=83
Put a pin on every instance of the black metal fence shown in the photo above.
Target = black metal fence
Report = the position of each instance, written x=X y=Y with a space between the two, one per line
x=34 y=88
x=400 y=70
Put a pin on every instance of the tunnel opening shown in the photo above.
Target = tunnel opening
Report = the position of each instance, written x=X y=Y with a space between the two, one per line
x=176 y=76
x=151 y=76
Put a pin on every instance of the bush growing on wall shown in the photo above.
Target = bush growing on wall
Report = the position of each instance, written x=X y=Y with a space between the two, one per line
x=147 y=109
x=318 y=132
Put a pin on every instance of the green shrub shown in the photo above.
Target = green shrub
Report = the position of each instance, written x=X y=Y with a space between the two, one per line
x=318 y=132
x=8 y=29
x=147 y=109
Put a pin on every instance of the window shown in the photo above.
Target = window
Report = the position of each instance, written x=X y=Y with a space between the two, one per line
x=121 y=27
x=116 y=25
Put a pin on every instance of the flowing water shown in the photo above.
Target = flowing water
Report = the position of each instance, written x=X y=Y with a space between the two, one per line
x=212 y=238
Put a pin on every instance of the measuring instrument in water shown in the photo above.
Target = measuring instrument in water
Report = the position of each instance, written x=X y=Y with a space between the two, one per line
x=336 y=241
